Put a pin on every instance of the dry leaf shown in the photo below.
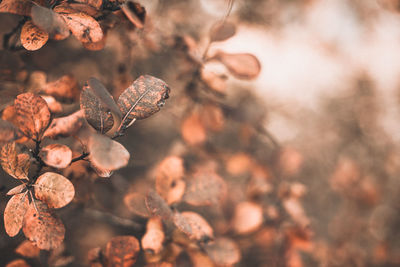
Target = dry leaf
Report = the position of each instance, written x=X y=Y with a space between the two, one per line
x=16 y=190
x=248 y=217
x=8 y=132
x=157 y=206
x=54 y=106
x=14 y=162
x=102 y=172
x=153 y=239
x=212 y=117
x=33 y=37
x=19 y=7
x=73 y=8
x=242 y=66
x=169 y=183
x=200 y=229
x=42 y=227
x=192 y=129
x=142 y=99
x=50 y=22
x=214 y=81
x=222 y=31
x=18 y=263
x=85 y=28
x=239 y=164
x=28 y=249
x=122 y=251
x=56 y=155
x=65 y=87
x=54 y=189
x=33 y=114
x=223 y=251
x=96 y=46
x=204 y=189
x=65 y=126
x=14 y=213
x=94 y=3
x=135 y=13
x=107 y=153
x=96 y=113
x=136 y=203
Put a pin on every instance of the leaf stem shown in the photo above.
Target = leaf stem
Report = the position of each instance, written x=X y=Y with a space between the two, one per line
x=81 y=157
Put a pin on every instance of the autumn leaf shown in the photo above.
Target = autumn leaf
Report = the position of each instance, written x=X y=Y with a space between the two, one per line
x=74 y=8
x=135 y=12
x=136 y=203
x=247 y=218
x=16 y=190
x=153 y=239
x=122 y=251
x=56 y=155
x=94 y=3
x=65 y=87
x=14 y=213
x=223 y=252
x=28 y=249
x=18 y=263
x=222 y=31
x=215 y=82
x=19 y=7
x=8 y=132
x=14 y=162
x=199 y=229
x=142 y=99
x=33 y=115
x=33 y=37
x=106 y=153
x=157 y=206
x=85 y=28
x=42 y=227
x=50 y=22
x=54 y=189
x=193 y=130
x=65 y=126
x=241 y=65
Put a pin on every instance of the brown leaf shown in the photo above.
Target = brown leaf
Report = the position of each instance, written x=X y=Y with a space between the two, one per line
x=214 y=81
x=8 y=132
x=14 y=162
x=72 y=8
x=19 y=7
x=65 y=126
x=27 y=249
x=136 y=203
x=94 y=3
x=96 y=113
x=16 y=190
x=223 y=251
x=142 y=99
x=241 y=65
x=96 y=46
x=53 y=105
x=122 y=251
x=102 y=172
x=14 y=213
x=193 y=130
x=65 y=87
x=169 y=183
x=135 y=12
x=153 y=239
x=157 y=206
x=200 y=230
x=56 y=155
x=212 y=117
x=204 y=189
x=32 y=37
x=33 y=115
x=85 y=28
x=18 y=263
x=54 y=189
x=222 y=31
x=248 y=217
x=107 y=153
x=50 y=22
x=42 y=227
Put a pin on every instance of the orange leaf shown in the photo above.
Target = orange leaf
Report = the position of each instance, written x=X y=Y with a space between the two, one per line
x=27 y=249
x=18 y=263
x=8 y=132
x=14 y=162
x=85 y=28
x=135 y=13
x=50 y=22
x=14 y=213
x=32 y=37
x=214 y=81
x=193 y=130
x=56 y=155
x=16 y=190
x=222 y=31
x=242 y=66
x=33 y=114
x=136 y=203
x=122 y=251
x=65 y=126
x=42 y=227
x=153 y=239
x=65 y=87
x=200 y=230
x=157 y=206
x=19 y=7
x=54 y=189
x=223 y=251
x=247 y=218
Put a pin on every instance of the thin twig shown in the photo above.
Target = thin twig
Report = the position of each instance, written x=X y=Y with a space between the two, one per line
x=81 y=157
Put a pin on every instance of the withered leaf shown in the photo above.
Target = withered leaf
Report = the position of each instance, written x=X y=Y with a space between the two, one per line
x=102 y=172
x=56 y=155
x=94 y=3
x=33 y=114
x=107 y=153
x=8 y=132
x=135 y=12
x=157 y=206
x=222 y=31
x=72 y=8
x=96 y=46
x=193 y=130
x=14 y=162
x=65 y=126
x=18 y=263
x=19 y=7
x=241 y=65
x=153 y=239
x=33 y=37
x=50 y=22
x=53 y=105
x=136 y=203
x=215 y=82
x=223 y=251
x=28 y=249
x=42 y=227
x=205 y=188
x=65 y=87
x=122 y=251
x=200 y=229
x=14 y=213
x=96 y=113
x=54 y=189
x=142 y=99
x=16 y=190
x=248 y=217
x=169 y=183
x=85 y=28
